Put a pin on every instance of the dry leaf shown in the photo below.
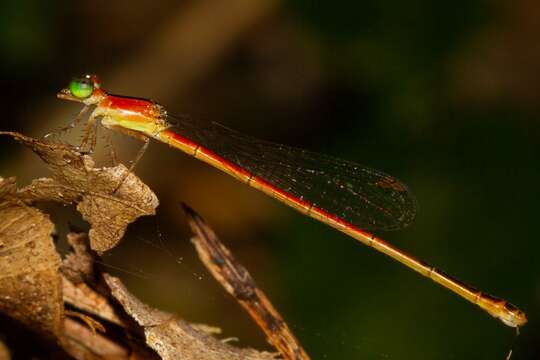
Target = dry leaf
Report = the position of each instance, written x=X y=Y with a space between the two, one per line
x=108 y=198
x=30 y=286
x=78 y=264
x=173 y=338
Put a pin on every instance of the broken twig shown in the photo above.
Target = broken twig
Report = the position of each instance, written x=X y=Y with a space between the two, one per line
x=238 y=282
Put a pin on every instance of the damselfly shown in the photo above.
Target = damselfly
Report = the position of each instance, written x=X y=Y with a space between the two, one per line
x=350 y=197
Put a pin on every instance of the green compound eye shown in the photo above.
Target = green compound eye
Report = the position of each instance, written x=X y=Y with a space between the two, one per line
x=81 y=88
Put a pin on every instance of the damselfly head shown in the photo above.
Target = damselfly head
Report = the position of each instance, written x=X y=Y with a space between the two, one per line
x=85 y=89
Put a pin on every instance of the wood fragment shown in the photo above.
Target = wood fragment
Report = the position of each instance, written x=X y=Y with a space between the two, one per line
x=92 y=324
x=238 y=282
x=84 y=298
x=84 y=344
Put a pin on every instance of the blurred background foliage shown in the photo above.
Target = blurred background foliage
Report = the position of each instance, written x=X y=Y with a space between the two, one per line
x=442 y=94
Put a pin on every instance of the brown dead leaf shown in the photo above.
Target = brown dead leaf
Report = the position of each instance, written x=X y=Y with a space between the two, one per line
x=84 y=298
x=78 y=264
x=108 y=198
x=30 y=287
x=173 y=338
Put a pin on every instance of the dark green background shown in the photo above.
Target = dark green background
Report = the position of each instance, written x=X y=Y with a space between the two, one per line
x=442 y=94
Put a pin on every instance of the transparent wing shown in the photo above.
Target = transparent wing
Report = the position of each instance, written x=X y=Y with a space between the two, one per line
x=364 y=197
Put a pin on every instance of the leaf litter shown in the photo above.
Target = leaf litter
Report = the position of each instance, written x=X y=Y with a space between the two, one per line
x=34 y=283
